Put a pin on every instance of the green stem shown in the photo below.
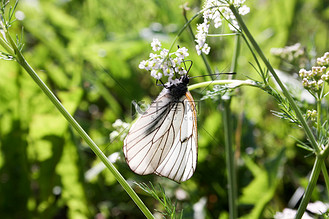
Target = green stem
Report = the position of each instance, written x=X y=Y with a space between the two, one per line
x=6 y=46
x=229 y=152
x=230 y=164
x=294 y=106
x=324 y=155
x=312 y=182
x=325 y=176
x=236 y=54
x=318 y=111
x=3 y=42
x=231 y=83
x=21 y=60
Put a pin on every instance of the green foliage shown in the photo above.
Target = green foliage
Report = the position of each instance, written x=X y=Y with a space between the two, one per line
x=88 y=53
x=160 y=195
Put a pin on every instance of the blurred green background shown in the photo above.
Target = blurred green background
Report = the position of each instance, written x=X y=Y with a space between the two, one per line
x=88 y=53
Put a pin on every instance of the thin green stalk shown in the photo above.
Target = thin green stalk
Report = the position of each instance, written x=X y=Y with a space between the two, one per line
x=312 y=182
x=235 y=54
x=325 y=176
x=323 y=166
x=230 y=83
x=22 y=61
x=7 y=47
x=324 y=155
x=230 y=164
x=318 y=120
x=229 y=152
x=296 y=109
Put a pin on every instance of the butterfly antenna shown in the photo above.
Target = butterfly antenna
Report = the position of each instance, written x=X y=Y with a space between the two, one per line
x=184 y=61
x=160 y=84
x=189 y=68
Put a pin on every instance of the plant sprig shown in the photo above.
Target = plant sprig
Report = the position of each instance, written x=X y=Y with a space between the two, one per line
x=170 y=208
x=320 y=152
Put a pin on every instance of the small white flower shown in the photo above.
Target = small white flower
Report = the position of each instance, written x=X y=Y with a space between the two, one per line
x=303 y=73
x=217 y=11
x=206 y=49
x=113 y=135
x=243 y=10
x=182 y=53
x=118 y=123
x=143 y=64
x=165 y=64
x=218 y=21
x=318 y=207
x=288 y=213
x=325 y=77
x=176 y=61
x=114 y=157
x=181 y=71
x=324 y=60
x=168 y=72
x=156 y=74
x=156 y=45
x=153 y=56
x=198 y=49
x=164 y=52
x=173 y=81
x=233 y=25
x=320 y=82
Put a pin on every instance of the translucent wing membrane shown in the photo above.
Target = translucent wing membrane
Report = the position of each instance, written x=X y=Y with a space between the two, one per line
x=164 y=139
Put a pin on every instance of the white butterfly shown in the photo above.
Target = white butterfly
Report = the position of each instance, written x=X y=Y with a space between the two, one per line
x=164 y=139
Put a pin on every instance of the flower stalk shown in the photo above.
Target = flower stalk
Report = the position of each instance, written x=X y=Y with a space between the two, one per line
x=312 y=182
x=229 y=83
x=230 y=162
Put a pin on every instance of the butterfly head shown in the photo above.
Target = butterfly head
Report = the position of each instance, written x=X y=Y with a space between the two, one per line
x=178 y=87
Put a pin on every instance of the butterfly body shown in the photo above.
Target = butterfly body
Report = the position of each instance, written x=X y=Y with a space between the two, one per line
x=164 y=139
x=179 y=89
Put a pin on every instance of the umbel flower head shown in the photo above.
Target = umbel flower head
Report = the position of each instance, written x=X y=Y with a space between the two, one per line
x=314 y=79
x=165 y=64
x=215 y=11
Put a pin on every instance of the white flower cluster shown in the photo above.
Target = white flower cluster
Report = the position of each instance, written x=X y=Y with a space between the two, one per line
x=289 y=53
x=324 y=60
x=314 y=79
x=165 y=64
x=288 y=213
x=318 y=208
x=217 y=11
x=120 y=128
x=312 y=114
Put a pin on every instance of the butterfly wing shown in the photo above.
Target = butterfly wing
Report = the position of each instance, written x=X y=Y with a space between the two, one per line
x=180 y=162
x=164 y=139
